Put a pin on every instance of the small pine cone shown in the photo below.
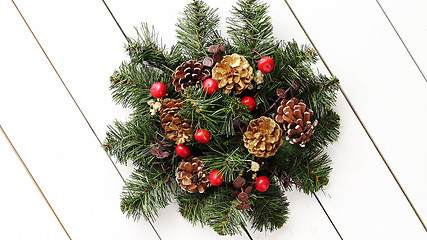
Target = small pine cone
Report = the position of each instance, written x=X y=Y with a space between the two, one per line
x=188 y=74
x=263 y=137
x=233 y=73
x=295 y=117
x=191 y=175
x=176 y=128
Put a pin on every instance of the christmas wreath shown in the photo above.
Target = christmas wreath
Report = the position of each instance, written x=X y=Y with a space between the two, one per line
x=224 y=126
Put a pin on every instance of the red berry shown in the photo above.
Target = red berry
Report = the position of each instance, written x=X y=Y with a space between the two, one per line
x=266 y=64
x=202 y=136
x=249 y=102
x=216 y=178
x=158 y=90
x=182 y=150
x=262 y=183
x=210 y=86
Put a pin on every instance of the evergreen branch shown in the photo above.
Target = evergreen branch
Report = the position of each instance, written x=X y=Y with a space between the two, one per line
x=221 y=213
x=145 y=193
x=147 y=49
x=310 y=170
x=318 y=91
x=269 y=209
x=322 y=94
x=327 y=130
x=230 y=162
x=131 y=84
x=197 y=29
x=191 y=207
x=131 y=141
x=250 y=28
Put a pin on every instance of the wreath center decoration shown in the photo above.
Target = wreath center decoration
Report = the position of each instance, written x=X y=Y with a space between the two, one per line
x=224 y=126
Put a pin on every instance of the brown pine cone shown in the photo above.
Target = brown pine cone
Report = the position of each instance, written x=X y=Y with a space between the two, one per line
x=191 y=175
x=188 y=74
x=176 y=128
x=263 y=137
x=233 y=73
x=295 y=117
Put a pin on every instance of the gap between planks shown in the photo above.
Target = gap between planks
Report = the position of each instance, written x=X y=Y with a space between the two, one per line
x=34 y=180
x=401 y=40
x=357 y=116
x=78 y=107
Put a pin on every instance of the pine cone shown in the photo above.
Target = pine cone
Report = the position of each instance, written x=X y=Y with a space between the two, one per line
x=188 y=74
x=263 y=137
x=233 y=73
x=176 y=128
x=191 y=175
x=296 y=120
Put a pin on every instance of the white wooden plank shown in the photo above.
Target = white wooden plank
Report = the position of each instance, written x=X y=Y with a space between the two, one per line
x=409 y=20
x=379 y=78
x=23 y=210
x=56 y=143
x=362 y=197
x=85 y=46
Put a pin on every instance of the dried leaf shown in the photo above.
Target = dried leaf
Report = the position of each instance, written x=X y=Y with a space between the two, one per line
x=282 y=93
x=155 y=150
x=248 y=189
x=221 y=47
x=163 y=155
x=243 y=196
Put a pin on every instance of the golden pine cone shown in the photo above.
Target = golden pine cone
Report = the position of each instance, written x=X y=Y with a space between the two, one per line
x=296 y=120
x=233 y=73
x=191 y=175
x=176 y=128
x=189 y=73
x=263 y=137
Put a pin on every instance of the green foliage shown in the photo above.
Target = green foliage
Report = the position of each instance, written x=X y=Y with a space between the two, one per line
x=197 y=30
x=131 y=84
x=307 y=171
x=191 y=207
x=269 y=209
x=221 y=213
x=230 y=163
x=215 y=113
x=327 y=130
x=317 y=90
x=147 y=49
x=145 y=193
x=250 y=28
x=215 y=209
x=131 y=141
x=152 y=185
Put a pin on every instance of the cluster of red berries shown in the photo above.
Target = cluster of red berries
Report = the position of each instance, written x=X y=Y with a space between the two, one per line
x=261 y=183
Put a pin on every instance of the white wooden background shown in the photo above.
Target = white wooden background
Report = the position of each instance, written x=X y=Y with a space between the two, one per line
x=377 y=49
